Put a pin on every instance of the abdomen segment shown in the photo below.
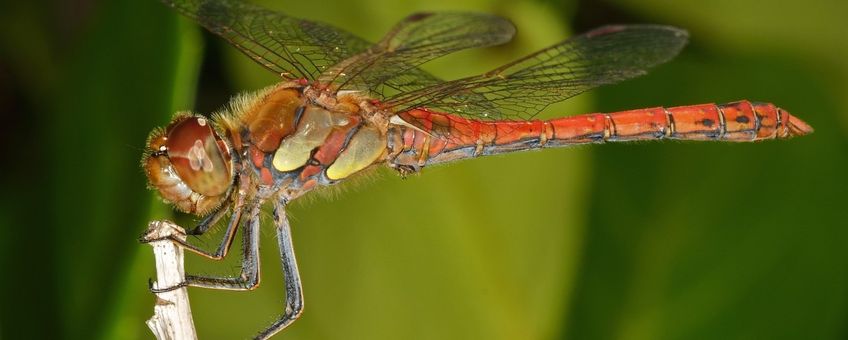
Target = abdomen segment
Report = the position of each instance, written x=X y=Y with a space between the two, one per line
x=433 y=137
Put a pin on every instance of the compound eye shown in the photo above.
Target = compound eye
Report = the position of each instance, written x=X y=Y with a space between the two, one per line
x=201 y=162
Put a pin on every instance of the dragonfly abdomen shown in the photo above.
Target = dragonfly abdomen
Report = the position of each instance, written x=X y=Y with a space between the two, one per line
x=739 y=121
x=434 y=137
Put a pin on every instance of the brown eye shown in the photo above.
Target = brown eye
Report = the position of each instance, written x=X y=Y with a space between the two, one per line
x=198 y=158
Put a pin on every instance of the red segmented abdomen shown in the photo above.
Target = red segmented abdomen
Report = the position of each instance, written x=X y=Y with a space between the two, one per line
x=435 y=137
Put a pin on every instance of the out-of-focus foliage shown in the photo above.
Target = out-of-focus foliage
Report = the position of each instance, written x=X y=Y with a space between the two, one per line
x=638 y=241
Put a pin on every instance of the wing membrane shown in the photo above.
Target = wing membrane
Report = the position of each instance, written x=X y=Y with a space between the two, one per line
x=391 y=64
x=523 y=88
x=291 y=47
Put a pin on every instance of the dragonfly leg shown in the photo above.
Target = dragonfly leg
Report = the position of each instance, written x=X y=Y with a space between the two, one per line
x=249 y=277
x=229 y=234
x=208 y=222
x=294 y=291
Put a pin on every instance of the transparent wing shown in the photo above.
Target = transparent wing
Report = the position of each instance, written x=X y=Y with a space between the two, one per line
x=390 y=66
x=291 y=47
x=523 y=88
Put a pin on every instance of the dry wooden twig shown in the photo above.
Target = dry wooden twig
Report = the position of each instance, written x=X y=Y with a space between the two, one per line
x=172 y=313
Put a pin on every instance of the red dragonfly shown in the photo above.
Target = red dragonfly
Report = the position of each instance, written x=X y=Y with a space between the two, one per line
x=345 y=105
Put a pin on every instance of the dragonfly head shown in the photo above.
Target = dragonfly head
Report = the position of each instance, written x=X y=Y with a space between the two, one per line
x=189 y=164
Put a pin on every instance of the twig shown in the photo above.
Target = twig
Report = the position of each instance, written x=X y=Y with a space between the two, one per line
x=172 y=313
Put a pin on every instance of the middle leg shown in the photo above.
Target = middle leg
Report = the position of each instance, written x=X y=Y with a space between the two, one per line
x=249 y=277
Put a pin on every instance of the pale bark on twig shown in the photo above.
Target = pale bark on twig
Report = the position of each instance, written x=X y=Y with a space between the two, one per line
x=172 y=313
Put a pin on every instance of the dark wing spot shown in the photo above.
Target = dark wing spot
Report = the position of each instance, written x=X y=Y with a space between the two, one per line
x=742 y=119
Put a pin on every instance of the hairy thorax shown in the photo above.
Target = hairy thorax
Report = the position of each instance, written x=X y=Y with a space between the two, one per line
x=296 y=137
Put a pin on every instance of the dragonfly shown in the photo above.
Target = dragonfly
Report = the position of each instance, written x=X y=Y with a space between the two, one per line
x=345 y=105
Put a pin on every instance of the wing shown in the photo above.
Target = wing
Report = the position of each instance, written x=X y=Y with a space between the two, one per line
x=523 y=88
x=291 y=47
x=390 y=66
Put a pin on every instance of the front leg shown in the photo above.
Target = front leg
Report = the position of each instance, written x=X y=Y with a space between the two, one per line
x=207 y=222
x=294 y=291
x=238 y=203
x=226 y=242
x=249 y=278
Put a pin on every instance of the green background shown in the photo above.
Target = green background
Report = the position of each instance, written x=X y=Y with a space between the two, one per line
x=673 y=240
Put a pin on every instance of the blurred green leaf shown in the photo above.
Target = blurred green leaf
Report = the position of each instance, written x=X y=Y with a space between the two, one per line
x=119 y=79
